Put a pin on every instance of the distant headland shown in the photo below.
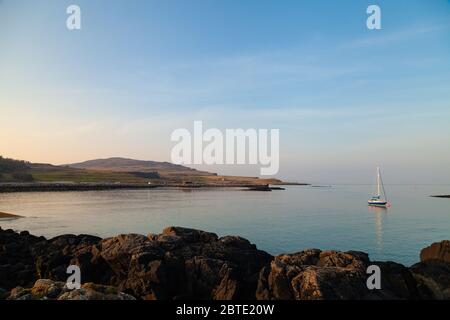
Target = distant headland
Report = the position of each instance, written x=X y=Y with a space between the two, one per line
x=9 y=216
x=115 y=173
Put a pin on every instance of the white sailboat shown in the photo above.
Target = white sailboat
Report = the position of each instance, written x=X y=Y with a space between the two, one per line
x=380 y=198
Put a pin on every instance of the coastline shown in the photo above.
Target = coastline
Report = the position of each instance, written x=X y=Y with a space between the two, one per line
x=182 y=263
x=4 y=215
x=45 y=186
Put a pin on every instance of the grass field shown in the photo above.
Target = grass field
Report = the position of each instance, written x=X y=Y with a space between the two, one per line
x=162 y=174
x=80 y=175
x=75 y=175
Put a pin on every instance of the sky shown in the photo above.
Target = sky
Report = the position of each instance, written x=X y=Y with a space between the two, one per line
x=345 y=98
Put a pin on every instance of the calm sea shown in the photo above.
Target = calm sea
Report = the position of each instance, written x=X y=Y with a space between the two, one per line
x=280 y=221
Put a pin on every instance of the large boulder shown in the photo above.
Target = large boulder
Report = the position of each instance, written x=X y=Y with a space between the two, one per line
x=437 y=251
x=433 y=272
x=433 y=279
x=17 y=267
x=3 y=294
x=184 y=263
x=331 y=275
x=54 y=256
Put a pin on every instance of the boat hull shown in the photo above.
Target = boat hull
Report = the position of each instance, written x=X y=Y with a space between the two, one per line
x=377 y=203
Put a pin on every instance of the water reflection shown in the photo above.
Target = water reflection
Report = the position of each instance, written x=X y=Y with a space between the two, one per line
x=277 y=222
x=380 y=213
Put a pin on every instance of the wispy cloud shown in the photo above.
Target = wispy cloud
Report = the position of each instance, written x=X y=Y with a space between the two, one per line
x=383 y=37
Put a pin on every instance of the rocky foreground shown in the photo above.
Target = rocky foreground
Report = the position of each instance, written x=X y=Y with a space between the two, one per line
x=183 y=263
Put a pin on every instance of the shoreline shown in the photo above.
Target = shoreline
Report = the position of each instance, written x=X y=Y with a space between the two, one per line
x=52 y=187
x=4 y=215
x=182 y=263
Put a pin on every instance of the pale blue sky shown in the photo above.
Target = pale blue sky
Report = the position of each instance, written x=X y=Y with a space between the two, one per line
x=344 y=98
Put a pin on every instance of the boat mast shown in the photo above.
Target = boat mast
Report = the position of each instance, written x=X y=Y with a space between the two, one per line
x=382 y=185
x=378 y=182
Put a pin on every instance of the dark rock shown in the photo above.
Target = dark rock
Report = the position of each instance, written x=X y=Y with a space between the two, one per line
x=53 y=258
x=190 y=235
x=331 y=275
x=433 y=279
x=315 y=274
x=397 y=282
x=211 y=279
x=17 y=266
x=183 y=263
x=3 y=294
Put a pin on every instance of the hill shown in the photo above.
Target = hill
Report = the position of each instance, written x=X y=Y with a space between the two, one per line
x=119 y=170
x=117 y=164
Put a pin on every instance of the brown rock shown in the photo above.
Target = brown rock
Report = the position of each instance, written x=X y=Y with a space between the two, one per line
x=45 y=289
x=437 y=251
x=190 y=235
x=332 y=275
x=313 y=275
x=183 y=263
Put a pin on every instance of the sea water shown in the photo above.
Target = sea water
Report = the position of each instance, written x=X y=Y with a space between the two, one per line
x=297 y=218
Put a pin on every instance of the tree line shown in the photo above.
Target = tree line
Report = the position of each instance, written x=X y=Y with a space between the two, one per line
x=11 y=169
